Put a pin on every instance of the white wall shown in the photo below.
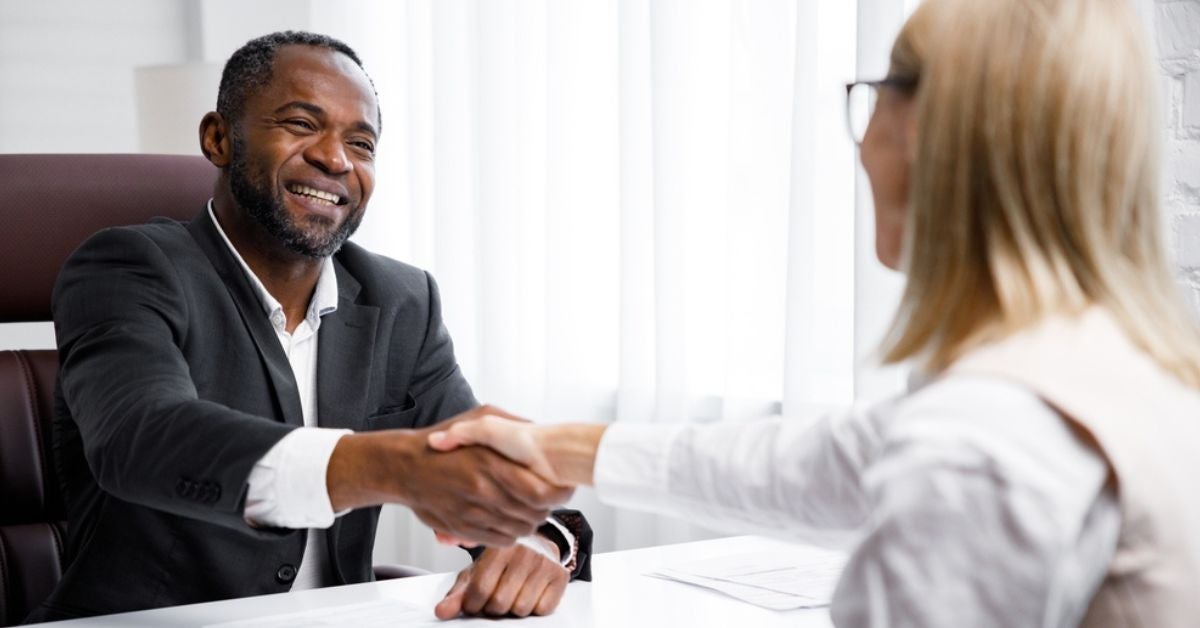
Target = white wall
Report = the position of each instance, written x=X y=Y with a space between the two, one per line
x=1177 y=27
x=67 y=70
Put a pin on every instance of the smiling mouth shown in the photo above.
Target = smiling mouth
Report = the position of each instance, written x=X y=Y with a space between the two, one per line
x=315 y=194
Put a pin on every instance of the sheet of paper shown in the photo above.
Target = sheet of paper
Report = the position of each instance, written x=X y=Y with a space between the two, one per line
x=801 y=577
x=377 y=614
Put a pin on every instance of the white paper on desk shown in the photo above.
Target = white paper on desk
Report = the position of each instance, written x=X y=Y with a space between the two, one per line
x=802 y=577
x=389 y=613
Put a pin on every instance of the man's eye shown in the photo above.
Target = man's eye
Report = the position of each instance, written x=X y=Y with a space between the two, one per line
x=303 y=124
x=367 y=146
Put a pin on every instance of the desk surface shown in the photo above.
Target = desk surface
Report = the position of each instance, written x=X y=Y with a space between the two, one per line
x=620 y=595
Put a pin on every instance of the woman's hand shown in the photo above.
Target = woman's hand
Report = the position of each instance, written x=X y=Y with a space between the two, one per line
x=516 y=440
x=563 y=455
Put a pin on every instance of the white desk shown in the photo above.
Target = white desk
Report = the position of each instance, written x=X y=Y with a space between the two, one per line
x=618 y=596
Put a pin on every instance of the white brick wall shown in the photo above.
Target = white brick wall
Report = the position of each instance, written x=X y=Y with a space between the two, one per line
x=1177 y=30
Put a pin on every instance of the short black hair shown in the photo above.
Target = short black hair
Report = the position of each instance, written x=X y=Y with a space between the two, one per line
x=250 y=68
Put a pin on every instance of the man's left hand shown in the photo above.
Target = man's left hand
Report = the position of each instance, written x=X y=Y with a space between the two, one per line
x=507 y=581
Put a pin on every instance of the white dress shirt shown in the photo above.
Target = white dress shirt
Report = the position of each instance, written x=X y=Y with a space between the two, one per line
x=287 y=486
x=969 y=502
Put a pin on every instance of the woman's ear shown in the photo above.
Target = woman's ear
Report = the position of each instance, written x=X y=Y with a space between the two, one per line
x=214 y=139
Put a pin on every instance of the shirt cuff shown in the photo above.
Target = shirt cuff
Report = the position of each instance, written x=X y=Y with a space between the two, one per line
x=567 y=557
x=287 y=486
x=534 y=543
x=633 y=464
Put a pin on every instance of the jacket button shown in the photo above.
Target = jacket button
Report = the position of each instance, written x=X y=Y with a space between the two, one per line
x=285 y=574
x=187 y=489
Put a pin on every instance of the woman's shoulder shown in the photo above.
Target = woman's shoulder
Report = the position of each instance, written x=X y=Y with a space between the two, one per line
x=971 y=399
x=982 y=422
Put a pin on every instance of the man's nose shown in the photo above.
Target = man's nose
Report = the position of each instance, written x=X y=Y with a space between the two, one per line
x=329 y=154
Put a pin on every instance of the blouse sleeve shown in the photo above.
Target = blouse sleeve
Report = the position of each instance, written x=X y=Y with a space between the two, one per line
x=782 y=477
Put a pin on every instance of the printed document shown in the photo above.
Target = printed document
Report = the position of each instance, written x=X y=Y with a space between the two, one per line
x=802 y=577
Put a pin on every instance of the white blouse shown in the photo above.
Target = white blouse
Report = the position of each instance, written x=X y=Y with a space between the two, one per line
x=968 y=502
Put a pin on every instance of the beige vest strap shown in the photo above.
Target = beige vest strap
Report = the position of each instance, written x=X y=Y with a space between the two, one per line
x=1147 y=425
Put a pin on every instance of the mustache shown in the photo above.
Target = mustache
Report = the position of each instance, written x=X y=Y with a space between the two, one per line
x=316 y=237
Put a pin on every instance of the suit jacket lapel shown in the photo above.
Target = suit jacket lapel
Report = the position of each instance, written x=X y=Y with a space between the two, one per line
x=248 y=305
x=345 y=348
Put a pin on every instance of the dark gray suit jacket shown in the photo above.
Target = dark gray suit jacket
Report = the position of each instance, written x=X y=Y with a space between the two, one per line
x=173 y=384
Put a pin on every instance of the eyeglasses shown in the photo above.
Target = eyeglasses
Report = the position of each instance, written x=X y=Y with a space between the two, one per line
x=861 y=97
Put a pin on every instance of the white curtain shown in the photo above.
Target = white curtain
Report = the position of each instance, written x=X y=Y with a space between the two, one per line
x=636 y=210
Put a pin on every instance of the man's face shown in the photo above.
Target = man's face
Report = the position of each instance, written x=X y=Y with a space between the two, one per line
x=303 y=160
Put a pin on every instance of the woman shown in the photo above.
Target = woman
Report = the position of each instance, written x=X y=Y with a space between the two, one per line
x=1042 y=473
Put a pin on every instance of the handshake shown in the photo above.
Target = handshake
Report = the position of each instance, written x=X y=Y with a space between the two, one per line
x=484 y=477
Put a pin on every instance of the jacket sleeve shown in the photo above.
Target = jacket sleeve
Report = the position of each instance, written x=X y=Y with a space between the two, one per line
x=121 y=317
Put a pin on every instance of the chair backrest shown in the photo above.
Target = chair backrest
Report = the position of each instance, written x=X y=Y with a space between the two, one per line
x=49 y=204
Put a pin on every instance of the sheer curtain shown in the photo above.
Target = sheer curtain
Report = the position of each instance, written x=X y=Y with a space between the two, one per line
x=636 y=210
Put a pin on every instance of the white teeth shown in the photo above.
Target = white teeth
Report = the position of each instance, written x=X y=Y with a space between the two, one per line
x=332 y=199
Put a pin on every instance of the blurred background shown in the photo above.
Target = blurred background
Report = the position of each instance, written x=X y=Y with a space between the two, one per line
x=637 y=210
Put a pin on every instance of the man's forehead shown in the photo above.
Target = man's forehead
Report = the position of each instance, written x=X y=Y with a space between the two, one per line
x=311 y=72
x=303 y=55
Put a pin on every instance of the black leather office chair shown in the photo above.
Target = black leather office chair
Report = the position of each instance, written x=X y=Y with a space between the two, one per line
x=49 y=204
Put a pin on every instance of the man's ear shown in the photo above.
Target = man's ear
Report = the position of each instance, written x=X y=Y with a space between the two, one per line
x=215 y=142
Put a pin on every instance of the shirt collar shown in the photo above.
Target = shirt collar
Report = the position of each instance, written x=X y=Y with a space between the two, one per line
x=325 y=297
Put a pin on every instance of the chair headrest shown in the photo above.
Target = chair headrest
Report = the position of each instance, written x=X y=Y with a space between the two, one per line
x=50 y=204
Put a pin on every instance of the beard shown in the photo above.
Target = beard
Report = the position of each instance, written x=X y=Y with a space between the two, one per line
x=315 y=236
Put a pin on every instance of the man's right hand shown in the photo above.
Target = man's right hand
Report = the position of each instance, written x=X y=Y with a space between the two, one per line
x=471 y=493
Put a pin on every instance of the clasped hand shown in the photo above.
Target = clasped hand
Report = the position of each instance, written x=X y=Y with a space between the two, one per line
x=471 y=493
x=487 y=495
x=508 y=581
x=502 y=581
x=562 y=455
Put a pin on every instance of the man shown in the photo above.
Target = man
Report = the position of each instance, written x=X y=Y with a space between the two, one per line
x=239 y=394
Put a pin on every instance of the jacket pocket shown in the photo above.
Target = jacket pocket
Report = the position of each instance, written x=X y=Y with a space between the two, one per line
x=395 y=417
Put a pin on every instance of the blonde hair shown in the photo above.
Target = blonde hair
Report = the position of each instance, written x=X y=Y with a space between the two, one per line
x=1035 y=186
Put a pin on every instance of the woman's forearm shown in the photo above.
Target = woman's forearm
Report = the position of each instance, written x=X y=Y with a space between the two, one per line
x=571 y=450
